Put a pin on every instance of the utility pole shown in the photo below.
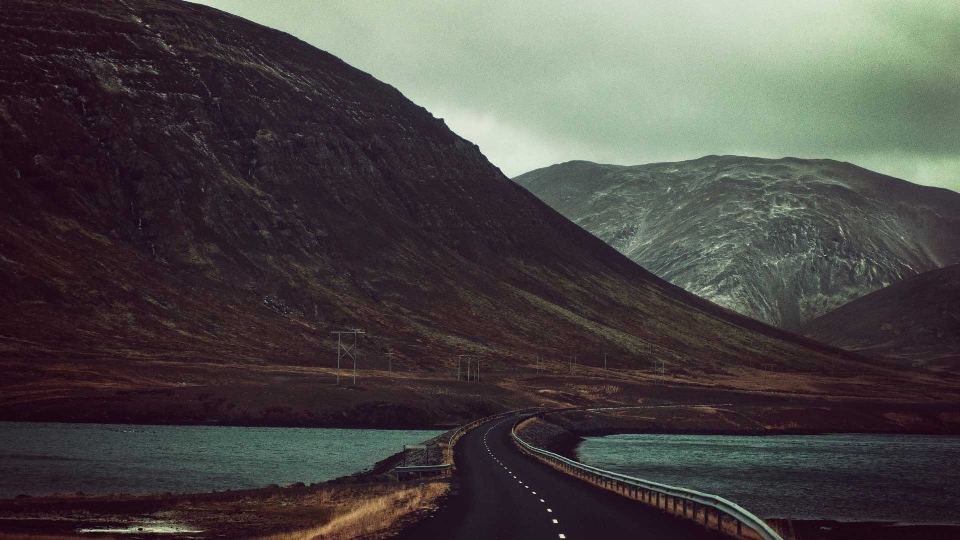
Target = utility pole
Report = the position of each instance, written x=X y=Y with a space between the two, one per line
x=347 y=350
x=460 y=358
x=390 y=362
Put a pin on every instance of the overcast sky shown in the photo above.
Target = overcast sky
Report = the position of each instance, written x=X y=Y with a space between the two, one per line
x=537 y=82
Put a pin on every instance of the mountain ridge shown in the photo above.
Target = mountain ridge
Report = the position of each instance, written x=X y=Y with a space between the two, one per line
x=915 y=321
x=192 y=203
x=748 y=233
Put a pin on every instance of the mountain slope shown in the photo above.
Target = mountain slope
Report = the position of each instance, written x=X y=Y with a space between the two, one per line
x=191 y=203
x=782 y=241
x=916 y=320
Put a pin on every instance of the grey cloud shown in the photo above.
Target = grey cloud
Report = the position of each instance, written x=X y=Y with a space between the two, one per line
x=874 y=82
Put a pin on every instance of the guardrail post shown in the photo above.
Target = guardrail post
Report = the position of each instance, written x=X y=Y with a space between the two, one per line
x=719 y=521
x=739 y=528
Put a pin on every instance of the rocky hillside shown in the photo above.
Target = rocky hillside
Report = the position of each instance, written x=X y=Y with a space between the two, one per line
x=782 y=241
x=916 y=321
x=190 y=201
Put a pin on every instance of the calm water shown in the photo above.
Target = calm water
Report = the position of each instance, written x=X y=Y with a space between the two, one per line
x=906 y=478
x=41 y=459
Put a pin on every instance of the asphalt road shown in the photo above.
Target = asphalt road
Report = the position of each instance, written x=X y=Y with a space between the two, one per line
x=502 y=493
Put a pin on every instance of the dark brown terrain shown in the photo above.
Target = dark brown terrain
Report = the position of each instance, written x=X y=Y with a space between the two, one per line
x=190 y=204
x=915 y=321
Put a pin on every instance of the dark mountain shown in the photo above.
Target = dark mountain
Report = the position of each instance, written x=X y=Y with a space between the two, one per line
x=782 y=241
x=916 y=320
x=190 y=201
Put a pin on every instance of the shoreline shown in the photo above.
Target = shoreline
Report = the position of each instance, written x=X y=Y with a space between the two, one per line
x=828 y=529
x=586 y=432
x=248 y=513
x=412 y=427
x=563 y=439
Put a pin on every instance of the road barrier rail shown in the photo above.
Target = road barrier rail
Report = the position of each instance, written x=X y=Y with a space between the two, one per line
x=447 y=466
x=423 y=468
x=462 y=430
x=651 y=492
x=420 y=470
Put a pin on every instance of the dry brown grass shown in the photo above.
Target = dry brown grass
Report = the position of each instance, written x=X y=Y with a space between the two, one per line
x=372 y=517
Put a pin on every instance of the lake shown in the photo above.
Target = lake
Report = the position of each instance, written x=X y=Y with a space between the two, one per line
x=906 y=478
x=47 y=458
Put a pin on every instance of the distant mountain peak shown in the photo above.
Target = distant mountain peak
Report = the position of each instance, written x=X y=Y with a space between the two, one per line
x=781 y=240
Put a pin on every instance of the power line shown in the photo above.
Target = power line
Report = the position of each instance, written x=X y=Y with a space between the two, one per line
x=344 y=350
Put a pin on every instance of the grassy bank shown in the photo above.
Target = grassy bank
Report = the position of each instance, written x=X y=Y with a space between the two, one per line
x=291 y=513
x=372 y=517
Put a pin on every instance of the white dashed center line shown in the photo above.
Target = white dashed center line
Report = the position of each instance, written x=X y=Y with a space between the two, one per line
x=510 y=473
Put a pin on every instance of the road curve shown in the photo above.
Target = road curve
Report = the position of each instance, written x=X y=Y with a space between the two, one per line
x=502 y=493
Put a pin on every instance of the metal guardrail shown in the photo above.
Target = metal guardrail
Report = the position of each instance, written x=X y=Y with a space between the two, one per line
x=423 y=468
x=460 y=431
x=419 y=470
x=447 y=466
x=648 y=489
